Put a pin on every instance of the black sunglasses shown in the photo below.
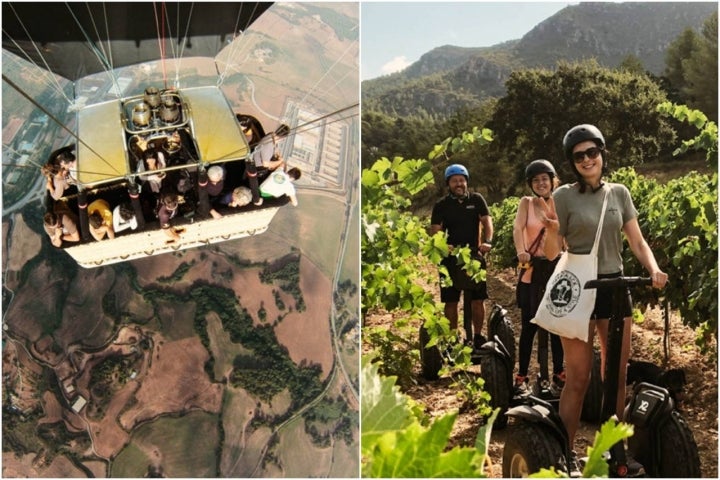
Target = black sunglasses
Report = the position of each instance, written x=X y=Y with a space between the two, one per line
x=592 y=153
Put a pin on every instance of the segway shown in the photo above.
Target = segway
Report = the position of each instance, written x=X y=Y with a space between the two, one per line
x=662 y=442
x=431 y=358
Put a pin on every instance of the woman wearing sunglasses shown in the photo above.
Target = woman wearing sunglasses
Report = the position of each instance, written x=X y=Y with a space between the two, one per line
x=572 y=216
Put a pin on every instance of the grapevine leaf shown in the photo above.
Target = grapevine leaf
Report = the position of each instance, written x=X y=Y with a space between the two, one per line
x=610 y=433
x=384 y=408
x=415 y=175
x=396 y=445
x=370 y=178
x=417 y=452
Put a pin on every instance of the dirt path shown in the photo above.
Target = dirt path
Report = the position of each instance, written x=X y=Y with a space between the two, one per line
x=700 y=407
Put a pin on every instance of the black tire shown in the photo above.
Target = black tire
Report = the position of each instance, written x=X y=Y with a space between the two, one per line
x=677 y=455
x=501 y=326
x=530 y=447
x=498 y=383
x=592 y=404
x=430 y=358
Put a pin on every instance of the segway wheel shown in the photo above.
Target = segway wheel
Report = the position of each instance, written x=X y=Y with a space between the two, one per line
x=592 y=404
x=501 y=326
x=529 y=448
x=430 y=358
x=676 y=454
x=498 y=384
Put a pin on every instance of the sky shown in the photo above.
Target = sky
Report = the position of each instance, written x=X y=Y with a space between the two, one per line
x=396 y=34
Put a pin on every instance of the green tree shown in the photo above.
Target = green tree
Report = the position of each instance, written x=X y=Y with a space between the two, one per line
x=387 y=136
x=632 y=64
x=541 y=105
x=679 y=51
x=701 y=71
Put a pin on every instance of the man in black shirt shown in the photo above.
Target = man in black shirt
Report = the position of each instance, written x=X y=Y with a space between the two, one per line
x=462 y=215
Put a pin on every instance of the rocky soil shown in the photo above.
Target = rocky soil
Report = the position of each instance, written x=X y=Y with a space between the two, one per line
x=700 y=406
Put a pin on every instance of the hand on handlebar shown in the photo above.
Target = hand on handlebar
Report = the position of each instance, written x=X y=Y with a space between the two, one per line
x=659 y=278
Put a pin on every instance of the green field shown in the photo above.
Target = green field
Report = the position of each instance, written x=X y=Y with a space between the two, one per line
x=322 y=221
x=187 y=447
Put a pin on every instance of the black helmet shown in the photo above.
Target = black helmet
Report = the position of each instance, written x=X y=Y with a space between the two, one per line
x=537 y=167
x=581 y=133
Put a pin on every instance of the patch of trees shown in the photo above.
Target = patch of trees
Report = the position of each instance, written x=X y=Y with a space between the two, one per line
x=106 y=378
x=19 y=430
x=278 y=300
x=691 y=67
x=345 y=319
x=286 y=271
x=330 y=417
x=178 y=274
x=269 y=369
x=109 y=305
x=262 y=312
x=56 y=439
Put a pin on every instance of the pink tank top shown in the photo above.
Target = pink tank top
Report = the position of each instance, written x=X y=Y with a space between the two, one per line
x=533 y=226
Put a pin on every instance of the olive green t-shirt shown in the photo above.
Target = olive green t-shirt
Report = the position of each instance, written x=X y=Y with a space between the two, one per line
x=579 y=214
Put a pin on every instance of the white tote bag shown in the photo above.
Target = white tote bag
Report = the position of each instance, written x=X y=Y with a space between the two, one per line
x=566 y=306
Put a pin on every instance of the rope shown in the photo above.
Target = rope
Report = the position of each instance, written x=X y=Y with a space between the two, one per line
x=235 y=44
x=94 y=25
x=161 y=46
x=327 y=72
x=54 y=119
x=47 y=67
x=187 y=29
x=301 y=128
x=103 y=61
x=107 y=34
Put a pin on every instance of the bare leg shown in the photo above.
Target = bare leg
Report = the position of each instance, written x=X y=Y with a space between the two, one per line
x=578 y=366
x=451 y=312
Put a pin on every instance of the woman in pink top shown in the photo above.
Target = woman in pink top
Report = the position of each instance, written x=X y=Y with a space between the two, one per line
x=529 y=237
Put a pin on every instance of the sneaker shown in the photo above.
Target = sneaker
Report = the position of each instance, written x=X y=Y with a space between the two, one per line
x=574 y=469
x=522 y=387
x=449 y=353
x=558 y=379
x=478 y=341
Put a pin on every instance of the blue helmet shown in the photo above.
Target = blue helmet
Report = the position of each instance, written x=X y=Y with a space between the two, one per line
x=456 y=169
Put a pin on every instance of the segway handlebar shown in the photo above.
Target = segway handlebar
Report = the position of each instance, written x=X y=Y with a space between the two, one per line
x=618 y=282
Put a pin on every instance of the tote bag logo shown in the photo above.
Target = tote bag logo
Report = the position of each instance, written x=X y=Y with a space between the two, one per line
x=564 y=294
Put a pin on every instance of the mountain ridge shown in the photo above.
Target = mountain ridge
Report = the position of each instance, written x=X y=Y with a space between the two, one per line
x=606 y=32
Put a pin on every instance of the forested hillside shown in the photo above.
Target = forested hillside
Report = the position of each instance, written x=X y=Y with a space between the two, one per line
x=607 y=32
x=537 y=105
